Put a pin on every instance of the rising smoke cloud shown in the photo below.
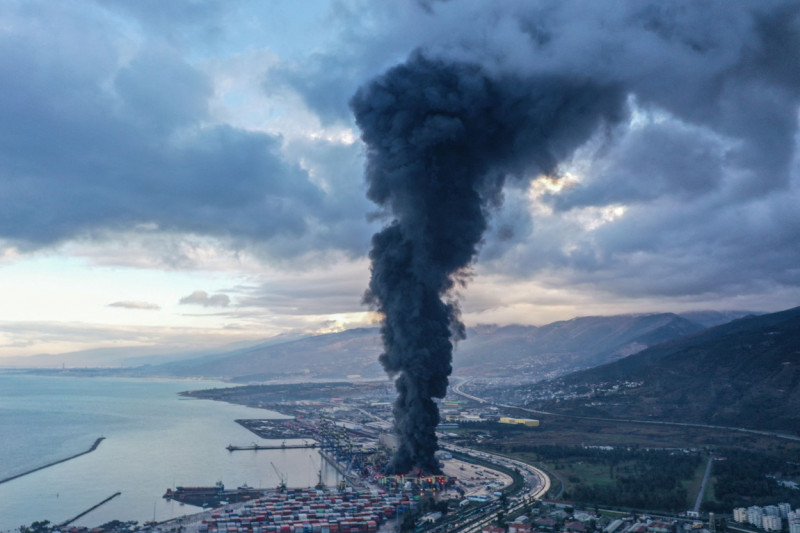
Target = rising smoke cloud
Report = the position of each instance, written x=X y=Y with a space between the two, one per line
x=442 y=138
x=704 y=103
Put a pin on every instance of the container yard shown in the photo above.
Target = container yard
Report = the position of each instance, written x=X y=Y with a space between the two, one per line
x=312 y=511
x=353 y=437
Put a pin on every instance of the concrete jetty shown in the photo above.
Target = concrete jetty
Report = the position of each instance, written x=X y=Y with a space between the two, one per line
x=48 y=465
x=89 y=510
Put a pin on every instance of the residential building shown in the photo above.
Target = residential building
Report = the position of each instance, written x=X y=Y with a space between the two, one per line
x=755 y=515
x=771 y=523
x=794 y=521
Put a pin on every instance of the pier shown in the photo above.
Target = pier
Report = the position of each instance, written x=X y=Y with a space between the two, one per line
x=347 y=476
x=48 y=465
x=284 y=446
x=334 y=463
x=89 y=510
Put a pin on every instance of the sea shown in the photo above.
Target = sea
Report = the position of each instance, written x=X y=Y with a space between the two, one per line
x=154 y=439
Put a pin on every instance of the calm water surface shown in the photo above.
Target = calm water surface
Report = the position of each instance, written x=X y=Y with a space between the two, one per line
x=155 y=439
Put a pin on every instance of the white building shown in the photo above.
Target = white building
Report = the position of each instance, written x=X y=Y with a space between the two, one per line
x=740 y=515
x=785 y=509
x=755 y=515
x=794 y=521
x=772 y=510
x=772 y=523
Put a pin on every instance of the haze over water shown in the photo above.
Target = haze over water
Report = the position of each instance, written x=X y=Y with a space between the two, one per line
x=154 y=440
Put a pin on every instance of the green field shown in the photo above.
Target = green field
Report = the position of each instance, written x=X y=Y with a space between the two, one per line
x=658 y=480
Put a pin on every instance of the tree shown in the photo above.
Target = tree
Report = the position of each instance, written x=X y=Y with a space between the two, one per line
x=40 y=526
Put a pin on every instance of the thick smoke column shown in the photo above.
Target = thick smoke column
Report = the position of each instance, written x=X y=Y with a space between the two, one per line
x=441 y=140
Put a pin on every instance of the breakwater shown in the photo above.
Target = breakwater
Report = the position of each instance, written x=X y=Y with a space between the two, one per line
x=89 y=510
x=48 y=465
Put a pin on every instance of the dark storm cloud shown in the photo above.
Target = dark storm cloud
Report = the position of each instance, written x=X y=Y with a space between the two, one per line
x=96 y=138
x=105 y=127
x=704 y=168
x=706 y=65
x=727 y=68
x=686 y=163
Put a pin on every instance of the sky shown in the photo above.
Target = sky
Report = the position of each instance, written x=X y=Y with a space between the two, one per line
x=184 y=175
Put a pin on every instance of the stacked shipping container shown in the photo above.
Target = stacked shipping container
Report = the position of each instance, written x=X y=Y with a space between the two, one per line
x=316 y=511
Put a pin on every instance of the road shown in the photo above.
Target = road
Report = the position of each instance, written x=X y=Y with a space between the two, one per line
x=702 y=491
x=457 y=390
x=537 y=483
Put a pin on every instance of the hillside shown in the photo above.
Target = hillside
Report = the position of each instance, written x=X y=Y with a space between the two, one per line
x=744 y=373
x=544 y=352
x=334 y=355
x=534 y=353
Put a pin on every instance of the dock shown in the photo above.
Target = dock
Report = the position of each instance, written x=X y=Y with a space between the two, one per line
x=48 y=465
x=283 y=446
x=334 y=463
x=347 y=476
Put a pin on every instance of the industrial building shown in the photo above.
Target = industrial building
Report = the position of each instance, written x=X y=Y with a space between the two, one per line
x=522 y=421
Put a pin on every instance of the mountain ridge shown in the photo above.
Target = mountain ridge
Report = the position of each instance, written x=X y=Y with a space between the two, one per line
x=536 y=351
x=742 y=373
x=526 y=353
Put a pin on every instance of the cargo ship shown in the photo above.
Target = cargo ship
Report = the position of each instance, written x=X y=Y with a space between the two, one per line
x=211 y=496
x=181 y=493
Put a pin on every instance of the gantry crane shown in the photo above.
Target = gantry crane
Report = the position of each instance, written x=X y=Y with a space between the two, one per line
x=283 y=477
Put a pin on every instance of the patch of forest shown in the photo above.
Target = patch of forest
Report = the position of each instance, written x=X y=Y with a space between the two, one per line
x=746 y=478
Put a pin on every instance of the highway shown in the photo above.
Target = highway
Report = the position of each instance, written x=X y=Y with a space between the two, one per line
x=457 y=390
x=537 y=483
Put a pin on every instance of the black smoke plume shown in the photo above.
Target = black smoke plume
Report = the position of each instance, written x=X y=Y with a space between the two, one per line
x=441 y=140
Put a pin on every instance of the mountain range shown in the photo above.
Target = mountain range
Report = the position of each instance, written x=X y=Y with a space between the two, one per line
x=745 y=373
x=527 y=353
x=536 y=352
x=732 y=368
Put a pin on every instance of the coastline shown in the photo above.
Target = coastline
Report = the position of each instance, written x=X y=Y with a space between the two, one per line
x=155 y=442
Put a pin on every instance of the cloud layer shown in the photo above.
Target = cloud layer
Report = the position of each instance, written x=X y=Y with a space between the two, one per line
x=689 y=198
x=199 y=136
x=105 y=134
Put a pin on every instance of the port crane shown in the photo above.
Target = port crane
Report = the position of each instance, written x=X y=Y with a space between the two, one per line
x=343 y=481
x=283 y=477
x=320 y=484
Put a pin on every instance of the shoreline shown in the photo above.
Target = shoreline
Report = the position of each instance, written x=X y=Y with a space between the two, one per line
x=48 y=465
